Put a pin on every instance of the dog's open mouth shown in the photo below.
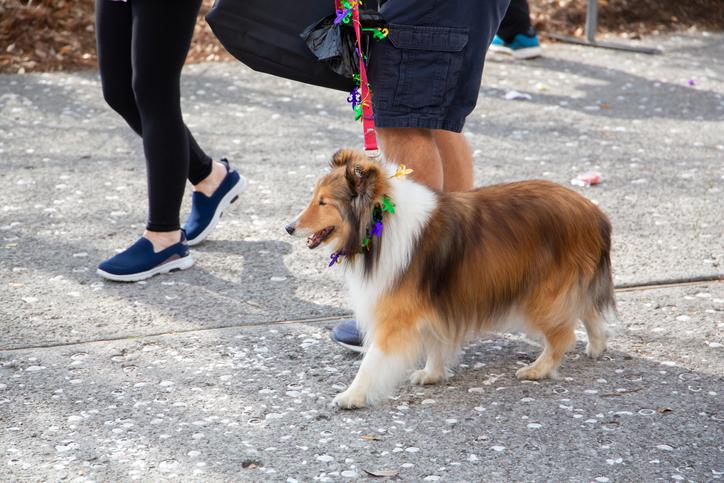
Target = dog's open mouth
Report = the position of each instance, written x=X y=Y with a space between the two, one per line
x=318 y=237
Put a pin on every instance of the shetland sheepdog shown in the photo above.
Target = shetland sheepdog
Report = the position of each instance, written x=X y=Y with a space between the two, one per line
x=427 y=270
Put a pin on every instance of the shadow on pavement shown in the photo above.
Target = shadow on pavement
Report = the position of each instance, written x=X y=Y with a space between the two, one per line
x=262 y=394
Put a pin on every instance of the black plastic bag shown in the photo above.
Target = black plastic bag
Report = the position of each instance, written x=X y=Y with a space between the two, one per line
x=336 y=44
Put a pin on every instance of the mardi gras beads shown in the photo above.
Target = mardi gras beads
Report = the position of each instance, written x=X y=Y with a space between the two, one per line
x=344 y=14
x=378 y=33
x=376 y=226
x=387 y=205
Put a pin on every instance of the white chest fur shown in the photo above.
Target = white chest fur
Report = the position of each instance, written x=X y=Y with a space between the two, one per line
x=413 y=206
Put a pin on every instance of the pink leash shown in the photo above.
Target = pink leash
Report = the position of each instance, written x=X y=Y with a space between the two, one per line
x=368 y=117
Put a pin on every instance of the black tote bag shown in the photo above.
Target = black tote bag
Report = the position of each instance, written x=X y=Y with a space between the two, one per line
x=265 y=36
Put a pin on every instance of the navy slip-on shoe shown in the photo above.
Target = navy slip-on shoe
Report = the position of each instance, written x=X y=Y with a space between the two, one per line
x=139 y=261
x=348 y=335
x=206 y=211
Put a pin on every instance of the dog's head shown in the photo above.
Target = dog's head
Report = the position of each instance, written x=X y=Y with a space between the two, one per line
x=342 y=203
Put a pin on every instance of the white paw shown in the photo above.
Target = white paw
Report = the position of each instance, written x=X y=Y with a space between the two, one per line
x=594 y=350
x=535 y=371
x=424 y=377
x=349 y=400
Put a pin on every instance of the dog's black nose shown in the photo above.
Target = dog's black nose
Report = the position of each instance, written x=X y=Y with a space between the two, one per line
x=290 y=229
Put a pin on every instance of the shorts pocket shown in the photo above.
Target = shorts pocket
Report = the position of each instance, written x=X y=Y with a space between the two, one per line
x=430 y=64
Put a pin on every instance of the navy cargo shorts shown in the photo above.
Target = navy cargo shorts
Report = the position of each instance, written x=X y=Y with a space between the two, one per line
x=427 y=72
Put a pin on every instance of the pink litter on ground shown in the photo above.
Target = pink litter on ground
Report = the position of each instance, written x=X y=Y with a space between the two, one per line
x=691 y=82
x=589 y=178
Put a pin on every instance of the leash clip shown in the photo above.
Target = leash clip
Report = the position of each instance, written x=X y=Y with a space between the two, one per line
x=372 y=153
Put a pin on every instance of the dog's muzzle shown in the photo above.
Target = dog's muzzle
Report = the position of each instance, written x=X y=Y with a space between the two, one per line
x=290 y=228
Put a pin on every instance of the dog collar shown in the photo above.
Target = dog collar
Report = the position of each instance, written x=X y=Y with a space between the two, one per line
x=375 y=227
x=374 y=230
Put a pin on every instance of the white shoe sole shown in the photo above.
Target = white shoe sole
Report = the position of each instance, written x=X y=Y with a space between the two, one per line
x=353 y=348
x=500 y=49
x=178 y=264
x=527 y=53
x=226 y=201
x=523 y=54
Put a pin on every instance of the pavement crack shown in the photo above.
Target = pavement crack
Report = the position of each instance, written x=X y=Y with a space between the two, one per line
x=671 y=282
x=310 y=320
x=625 y=287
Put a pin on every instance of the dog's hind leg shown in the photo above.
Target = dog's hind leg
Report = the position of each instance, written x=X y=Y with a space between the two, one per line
x=596 y=330
x=552 y=309
x=600 y=306
x=558 y=339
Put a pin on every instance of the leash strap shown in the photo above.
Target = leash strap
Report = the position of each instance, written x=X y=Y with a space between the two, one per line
x=368 y=117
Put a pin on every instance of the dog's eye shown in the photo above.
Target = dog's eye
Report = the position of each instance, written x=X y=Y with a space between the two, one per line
x=322 y=203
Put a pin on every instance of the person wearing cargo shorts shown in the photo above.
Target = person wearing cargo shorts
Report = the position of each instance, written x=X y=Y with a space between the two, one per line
x=425 y=78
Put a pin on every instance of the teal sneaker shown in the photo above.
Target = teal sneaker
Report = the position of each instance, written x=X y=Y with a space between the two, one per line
x=522 y=47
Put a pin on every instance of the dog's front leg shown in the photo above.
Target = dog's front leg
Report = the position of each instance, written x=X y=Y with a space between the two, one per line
x=378 y=375
x=439 y=354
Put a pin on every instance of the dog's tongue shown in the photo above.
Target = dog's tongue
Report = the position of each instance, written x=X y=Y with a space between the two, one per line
x=314 y=240
x=317 y=238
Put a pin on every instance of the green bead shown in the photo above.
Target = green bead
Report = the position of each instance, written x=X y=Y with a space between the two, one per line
x=388 y=205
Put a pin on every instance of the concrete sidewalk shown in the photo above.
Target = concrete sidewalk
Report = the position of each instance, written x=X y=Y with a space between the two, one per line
x=225 y=372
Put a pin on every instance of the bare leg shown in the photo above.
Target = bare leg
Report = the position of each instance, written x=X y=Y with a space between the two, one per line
x=209 y=184
x=416 y=149
x=162 y=239
x=457 y=160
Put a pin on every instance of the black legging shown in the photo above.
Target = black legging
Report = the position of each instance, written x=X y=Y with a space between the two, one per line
x=516 y=21
x=142 y=46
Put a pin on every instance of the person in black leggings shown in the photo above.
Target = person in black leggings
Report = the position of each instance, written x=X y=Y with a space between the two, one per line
x=142 y=46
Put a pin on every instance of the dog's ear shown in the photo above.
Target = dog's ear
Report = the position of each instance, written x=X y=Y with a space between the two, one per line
x=343 y=157
x=363 y=177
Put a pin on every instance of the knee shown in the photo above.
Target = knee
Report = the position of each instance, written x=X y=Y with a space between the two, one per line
x=398 y=143
x=154 y=97
x=119 y=96
x=442 y=136
x=143 y=91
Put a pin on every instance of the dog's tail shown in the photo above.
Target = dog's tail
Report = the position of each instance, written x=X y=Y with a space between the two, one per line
x=600 y=290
